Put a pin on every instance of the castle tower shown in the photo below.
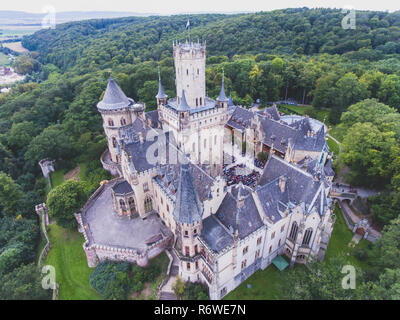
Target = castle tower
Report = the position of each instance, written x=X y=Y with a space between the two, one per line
x=188 y=215
x=117 y=110
x=161 y=96
x=190 y=67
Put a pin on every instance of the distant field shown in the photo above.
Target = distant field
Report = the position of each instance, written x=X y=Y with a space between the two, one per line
x=14 y=31
x=15 y=46
x=4 y=60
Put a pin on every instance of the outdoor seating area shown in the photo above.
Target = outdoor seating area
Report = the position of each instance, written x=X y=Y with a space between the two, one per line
x=237 y=174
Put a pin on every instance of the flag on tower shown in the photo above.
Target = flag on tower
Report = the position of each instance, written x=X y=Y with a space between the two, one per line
x=187 y=24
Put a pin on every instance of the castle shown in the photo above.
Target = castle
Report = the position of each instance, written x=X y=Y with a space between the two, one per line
x=188 y=181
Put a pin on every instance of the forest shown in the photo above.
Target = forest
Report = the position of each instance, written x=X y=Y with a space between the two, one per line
x=302 y=54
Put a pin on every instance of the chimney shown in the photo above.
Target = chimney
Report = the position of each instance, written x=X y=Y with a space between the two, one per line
x=282 y=183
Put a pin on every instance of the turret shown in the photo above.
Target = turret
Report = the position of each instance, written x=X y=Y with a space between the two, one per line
x=222 y=100
x=161 y=96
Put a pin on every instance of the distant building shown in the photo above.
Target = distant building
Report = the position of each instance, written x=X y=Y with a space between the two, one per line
x=170 y=164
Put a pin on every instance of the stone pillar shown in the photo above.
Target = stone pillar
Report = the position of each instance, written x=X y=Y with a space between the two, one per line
x=91 y=256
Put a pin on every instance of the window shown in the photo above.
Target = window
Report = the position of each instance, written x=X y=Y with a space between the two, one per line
x=244 y=264
x=215 y=139
x=188 y=265
x=223 y=291
x=293 y=231
x=245 y=249
x=148 y=205
x=257 y=253
x=279 y=243
x=259 y=241
x=195 y=231
x=122 y=204
x=187 y=250
x=197 y=265
x=145 y=187
x=131 y=203
x=123 y=121
x=307 y=237
x=205 y=143
x=198 y=71
x=273 y=235
x=110 y=122
x=201 y=103
x=196 y=249
x=187 y=72
x=193 y=147
x=167 y=208
x=186 y=233
x=197 y=102
x=114 y=142
x=270 y=249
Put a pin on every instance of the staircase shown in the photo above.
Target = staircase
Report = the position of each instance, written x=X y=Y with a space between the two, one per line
x=166 y=292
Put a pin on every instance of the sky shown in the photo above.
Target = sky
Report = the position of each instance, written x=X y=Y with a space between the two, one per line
x=188 y=6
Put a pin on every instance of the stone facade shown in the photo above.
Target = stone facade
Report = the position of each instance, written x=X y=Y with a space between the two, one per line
x=171 y=165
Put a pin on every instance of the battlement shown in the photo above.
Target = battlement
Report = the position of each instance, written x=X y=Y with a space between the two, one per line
x=190 y=48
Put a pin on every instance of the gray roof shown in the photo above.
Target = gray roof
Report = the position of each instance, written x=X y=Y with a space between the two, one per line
x=138 y=152
x=328 y=170
x=301 y=186
x=304 y=141
x=215 y=235
x=271 y=112
x=183 y=106
x=245 y=219
x=273 y=200
x=114 y=97
x=122 y=187
x=188 y=208
x=276 y=133
x=240 y=119
x=230 y=101
x=153 y=120
x=222 y=95
x=161 y=94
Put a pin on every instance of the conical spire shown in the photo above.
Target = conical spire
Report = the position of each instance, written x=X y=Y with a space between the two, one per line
x=188 y=208
x=183 y=105
x=114 y=97
x=161 y=94
x=230 y=101
x=222 y=95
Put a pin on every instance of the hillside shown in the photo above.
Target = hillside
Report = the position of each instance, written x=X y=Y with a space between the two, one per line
x=288 y=31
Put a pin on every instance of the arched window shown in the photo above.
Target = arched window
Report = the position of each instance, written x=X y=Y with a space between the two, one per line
x=148 y=205
x=131 y=203
x=293 y=231
x=110 y=122
x=122 y=204
x=205 y=143
x=123 y=121
x=197 y=102
x=307 y=237
x=187 y=72
x=193 y=147
x=114 y=142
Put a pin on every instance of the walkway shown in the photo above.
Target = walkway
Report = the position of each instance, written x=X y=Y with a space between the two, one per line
x=167 y=293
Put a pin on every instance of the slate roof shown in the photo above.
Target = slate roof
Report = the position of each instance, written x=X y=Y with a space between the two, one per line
x=153 y=117
x=230 y=101
x=160 y=94
x=215 y=236
x=273 y=112
x=245 y=219
x=240 y=119
x=277 y=134
x=273 y=200
x=328 y=170
x=222 y=95
x=130 y=133
x=122 y=187
x=188 y=208
x=114 y=97
x=183 y=106
x=137 y=152
x=313 y=142
x=301 y=186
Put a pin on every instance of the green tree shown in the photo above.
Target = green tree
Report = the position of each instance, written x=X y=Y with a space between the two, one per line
x=10 y=195
x=179 y=287
x=65 y=200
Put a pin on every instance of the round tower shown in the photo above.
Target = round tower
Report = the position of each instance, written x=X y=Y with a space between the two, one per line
x=117 y=110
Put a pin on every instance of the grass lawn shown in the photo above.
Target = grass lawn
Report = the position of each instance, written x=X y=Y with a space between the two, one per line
x=69 y=260
x=57 y=178
x=333 y=146
x=321 y=115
